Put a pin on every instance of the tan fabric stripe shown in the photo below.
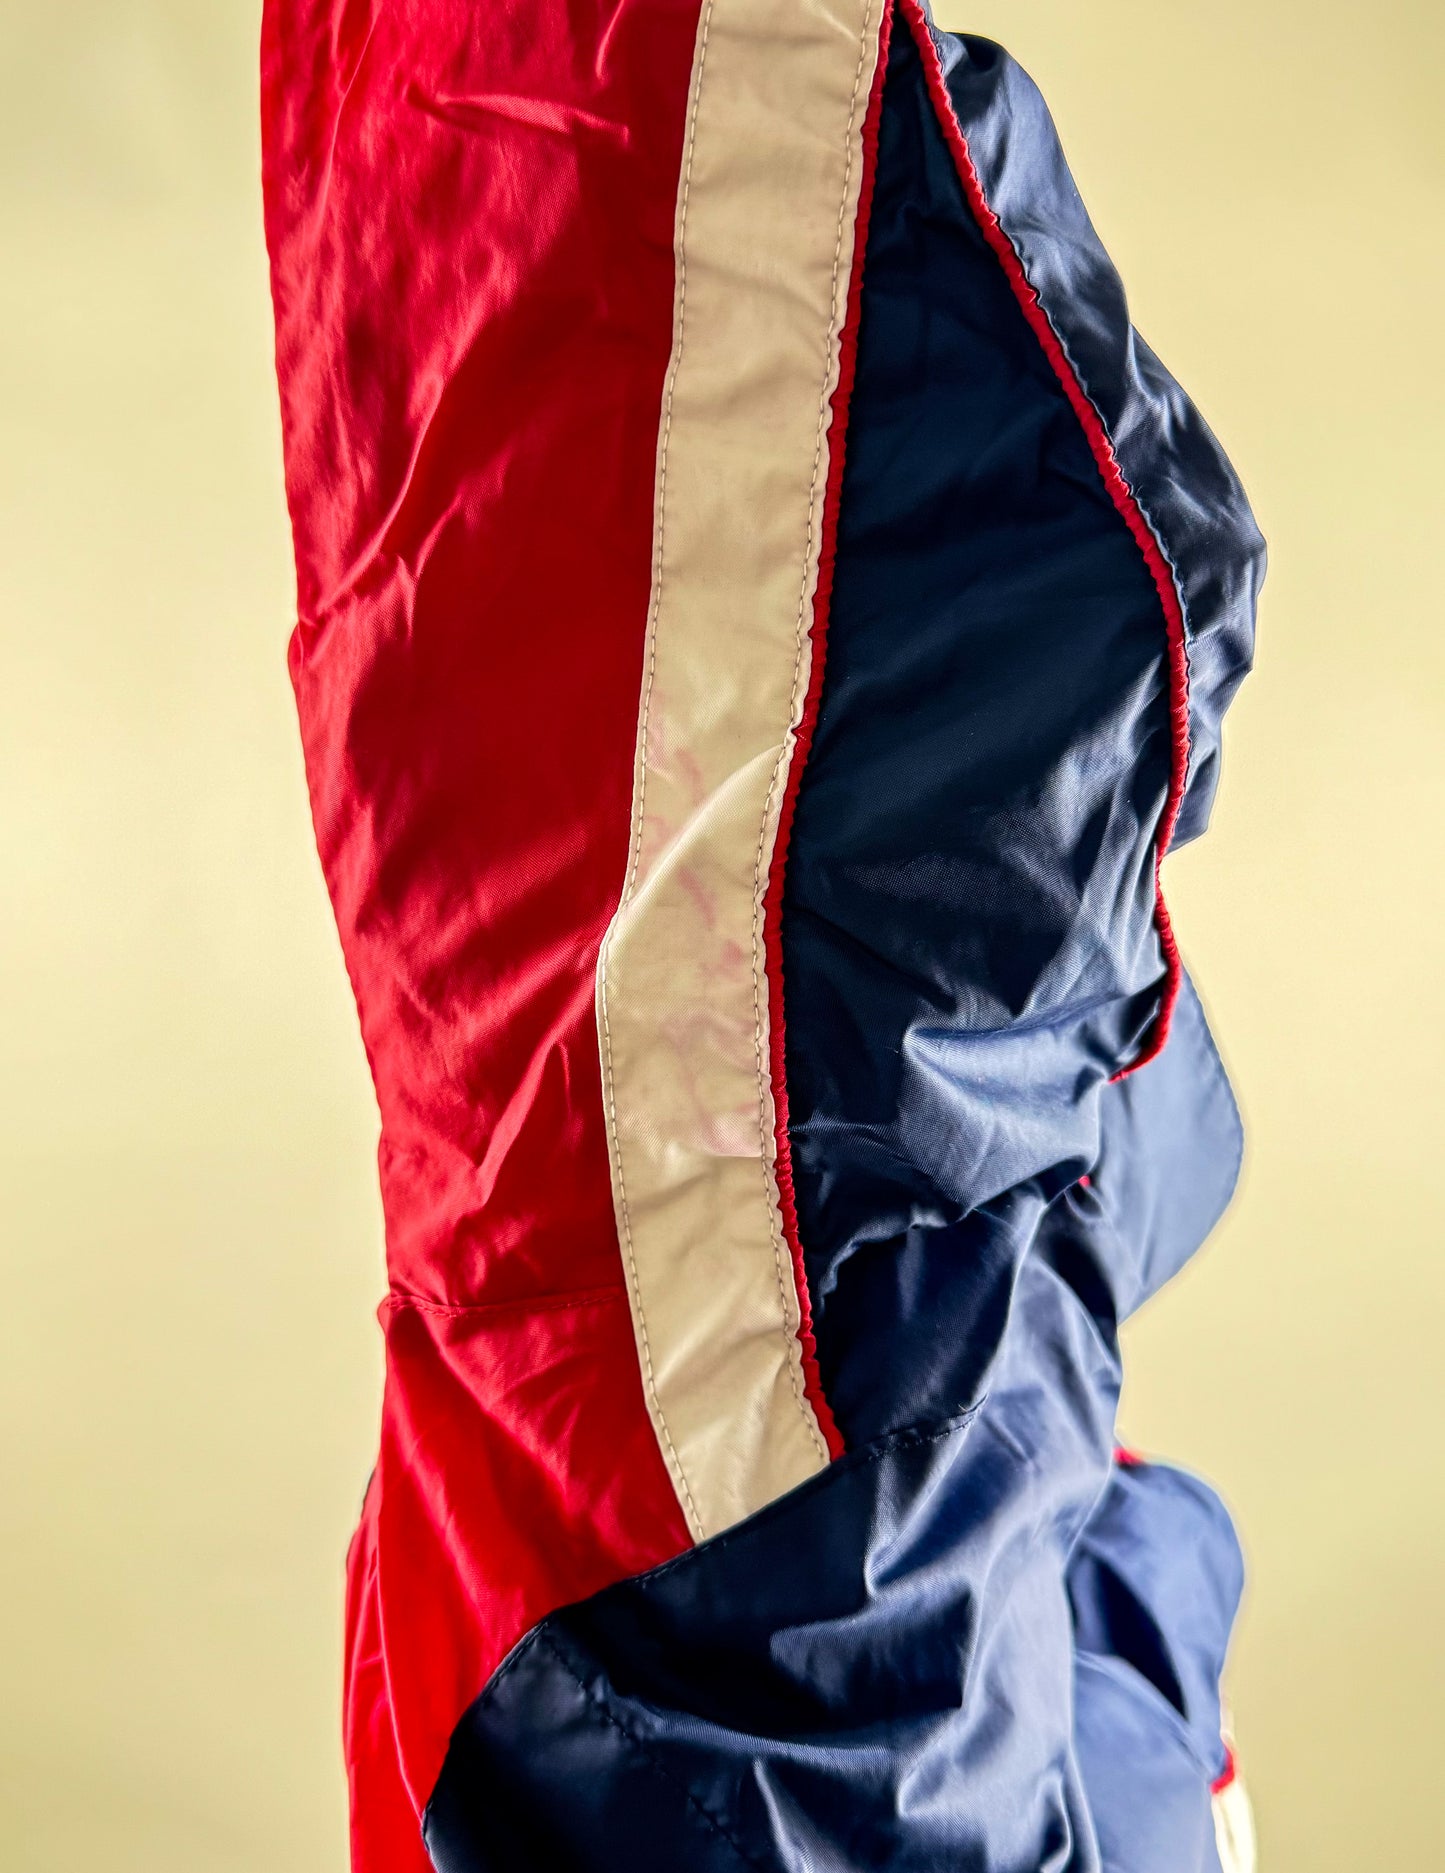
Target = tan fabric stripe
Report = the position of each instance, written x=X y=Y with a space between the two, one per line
x=766 y=216
x=1234 y=1829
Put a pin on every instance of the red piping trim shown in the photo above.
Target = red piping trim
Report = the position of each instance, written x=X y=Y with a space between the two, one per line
x=1122 y=495
x=1226 y=1775
x=1126 y=1458
x=802 y=742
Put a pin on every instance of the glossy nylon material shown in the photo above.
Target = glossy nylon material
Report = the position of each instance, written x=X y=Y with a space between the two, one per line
x=972 y=1642
x=969 y=941
x=969 y=1643
x=469 y=214
x=1179 y=477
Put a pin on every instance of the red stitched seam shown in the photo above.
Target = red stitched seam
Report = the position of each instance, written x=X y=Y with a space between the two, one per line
x=818 y=632
x=1122 y=495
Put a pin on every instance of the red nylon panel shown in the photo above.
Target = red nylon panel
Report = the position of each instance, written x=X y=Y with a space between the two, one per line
x=469 y=211
x=517 y=1472
x=384 y=1833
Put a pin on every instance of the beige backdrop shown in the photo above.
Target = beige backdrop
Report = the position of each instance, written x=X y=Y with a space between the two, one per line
x=190 y=1246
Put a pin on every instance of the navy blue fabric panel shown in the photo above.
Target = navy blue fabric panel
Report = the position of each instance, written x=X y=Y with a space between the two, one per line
x=1151 y=1808
x=911 y=1325
x=1155 y=1585
x=874 y=1673
x=1170 y=1147
x=1180 y=476
x=968 y=938
x=975 y=1647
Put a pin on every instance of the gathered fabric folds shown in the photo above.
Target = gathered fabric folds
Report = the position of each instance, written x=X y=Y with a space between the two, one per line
x=764 y=615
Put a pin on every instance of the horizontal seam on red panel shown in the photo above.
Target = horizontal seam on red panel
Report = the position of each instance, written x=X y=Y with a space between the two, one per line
x=543 y=1304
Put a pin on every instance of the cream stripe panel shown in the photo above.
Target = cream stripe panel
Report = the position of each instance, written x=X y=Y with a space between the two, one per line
x=1234 y=1829
x=766 y=216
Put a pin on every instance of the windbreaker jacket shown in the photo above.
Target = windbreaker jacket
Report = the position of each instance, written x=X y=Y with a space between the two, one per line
x=763 y=616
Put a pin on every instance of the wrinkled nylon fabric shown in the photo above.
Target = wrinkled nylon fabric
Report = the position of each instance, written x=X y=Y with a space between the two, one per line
x=969 y=948
x=1181 y=479
x=974 y=1641
x=469 y=215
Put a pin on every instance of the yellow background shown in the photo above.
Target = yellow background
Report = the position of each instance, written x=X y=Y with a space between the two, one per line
x=188 y=1232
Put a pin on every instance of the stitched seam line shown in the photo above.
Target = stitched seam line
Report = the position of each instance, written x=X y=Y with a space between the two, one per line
x=861 y=1458
x=841 y=411
x=634 y=859
x=663 y=447
x=793 y=1354
x=544 y=1304
x=655 y=1762
x=528 y=1643
x=635 y=1285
